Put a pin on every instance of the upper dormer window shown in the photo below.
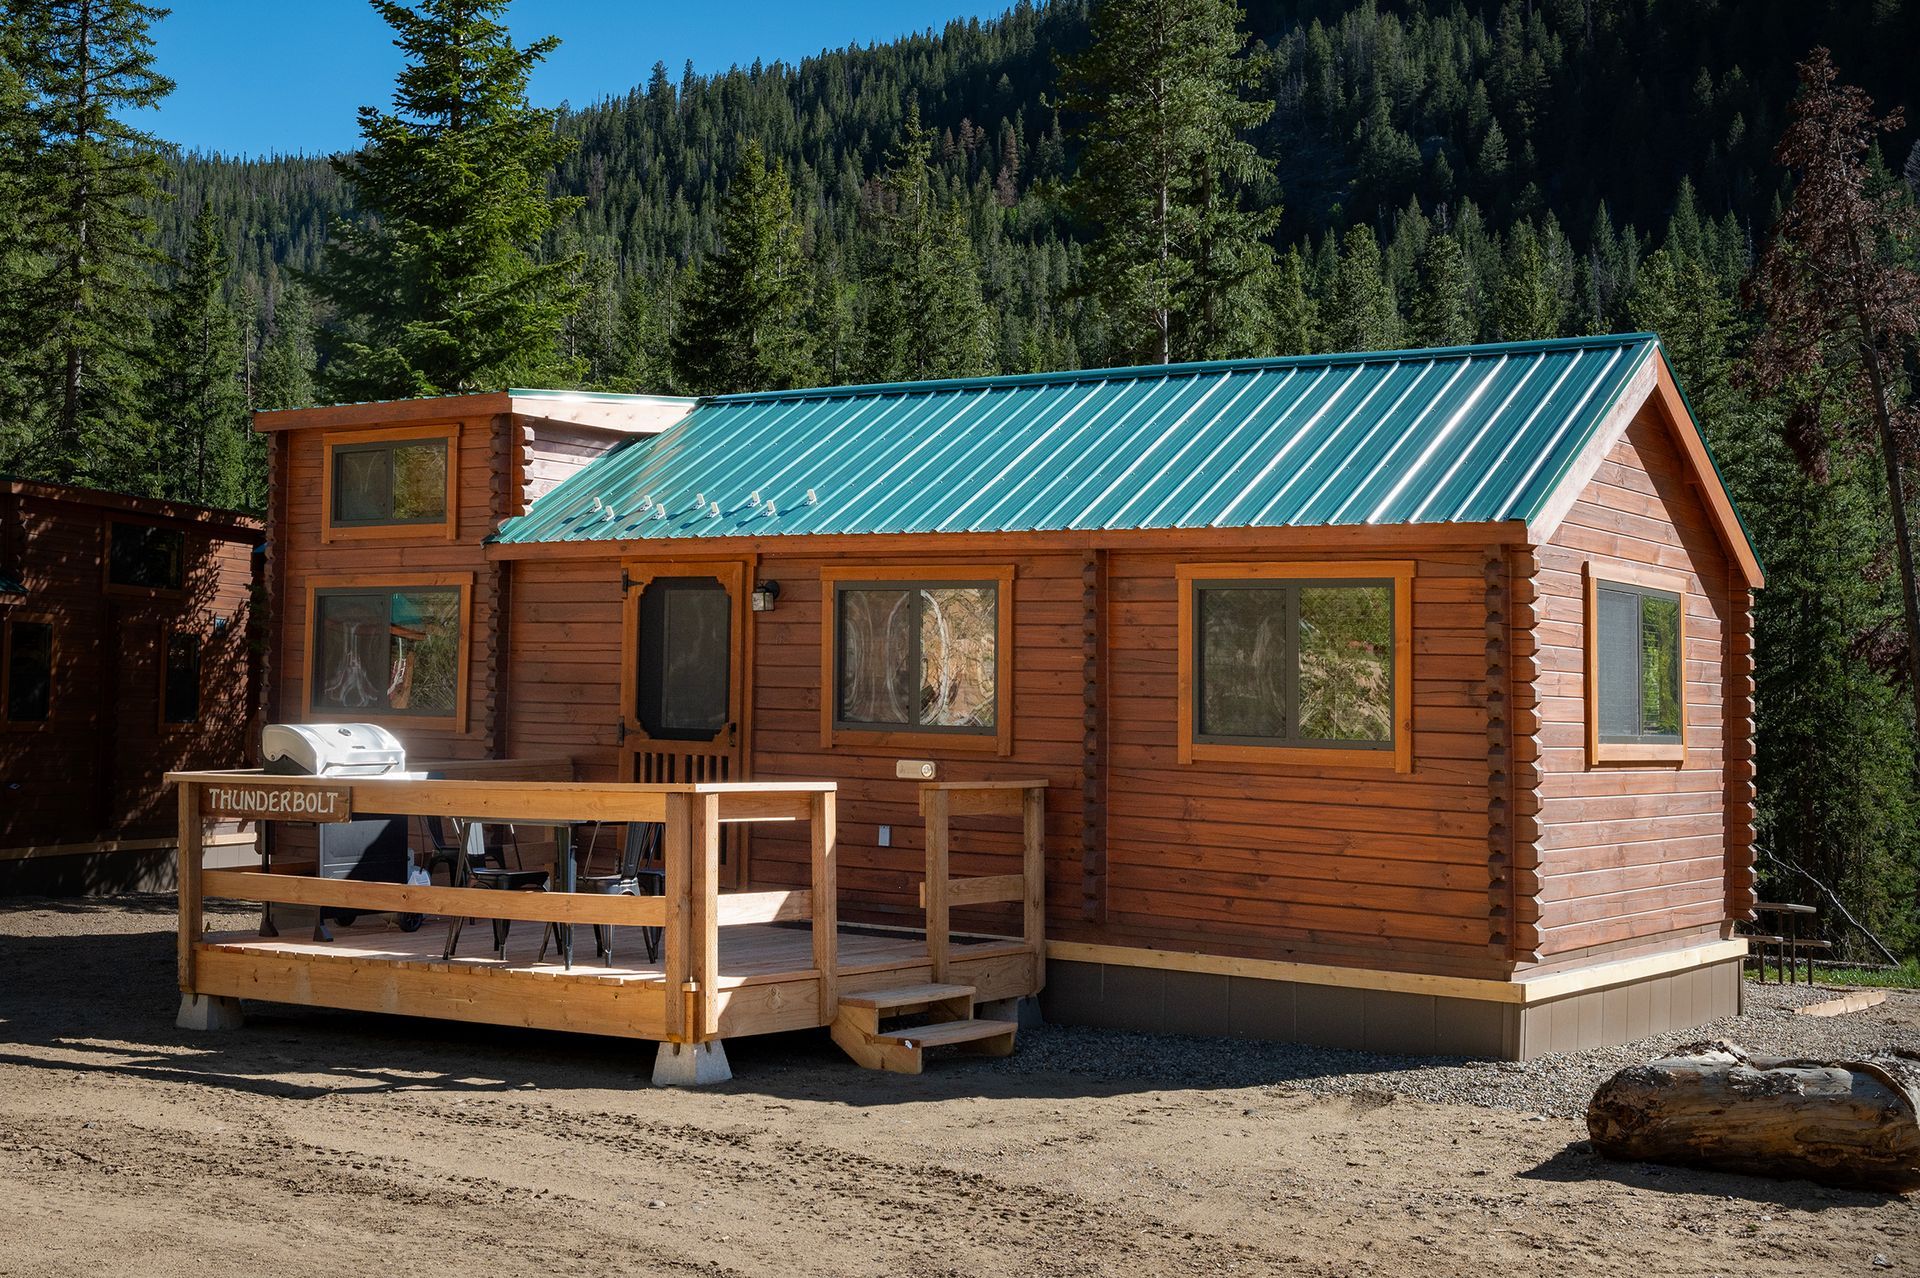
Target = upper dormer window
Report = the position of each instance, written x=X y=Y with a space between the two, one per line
x=388 y=483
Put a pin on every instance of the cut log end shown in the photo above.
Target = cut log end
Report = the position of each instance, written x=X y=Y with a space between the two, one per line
x=1713 y=1105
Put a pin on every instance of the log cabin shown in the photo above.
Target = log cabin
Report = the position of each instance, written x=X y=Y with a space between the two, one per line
x=1397 y=700
x=127 y=650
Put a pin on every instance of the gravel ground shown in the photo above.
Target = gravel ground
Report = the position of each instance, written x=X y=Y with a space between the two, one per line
x=1558 y=1085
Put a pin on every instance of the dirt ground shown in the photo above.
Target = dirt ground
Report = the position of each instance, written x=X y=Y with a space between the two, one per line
x=329 y=1144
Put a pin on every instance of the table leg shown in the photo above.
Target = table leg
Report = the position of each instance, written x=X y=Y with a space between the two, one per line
x=563 y=838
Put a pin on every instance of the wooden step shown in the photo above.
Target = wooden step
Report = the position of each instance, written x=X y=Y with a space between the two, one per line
x=948 y=1033
x=899 y=996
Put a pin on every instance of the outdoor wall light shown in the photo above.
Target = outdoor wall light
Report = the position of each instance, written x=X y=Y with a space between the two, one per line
x=764 y=595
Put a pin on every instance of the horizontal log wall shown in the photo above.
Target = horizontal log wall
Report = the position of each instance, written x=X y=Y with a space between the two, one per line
x=92 y=772
x=1631 y=853
x=304 y=555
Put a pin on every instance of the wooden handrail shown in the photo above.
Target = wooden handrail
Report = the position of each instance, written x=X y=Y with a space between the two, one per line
x=940 y=802
x=691 y=911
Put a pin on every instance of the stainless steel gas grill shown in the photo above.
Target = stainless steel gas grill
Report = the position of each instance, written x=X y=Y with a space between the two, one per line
x=369 y=847
x=332 y=750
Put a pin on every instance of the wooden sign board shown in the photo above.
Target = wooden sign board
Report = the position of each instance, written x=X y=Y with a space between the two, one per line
x=273 y=801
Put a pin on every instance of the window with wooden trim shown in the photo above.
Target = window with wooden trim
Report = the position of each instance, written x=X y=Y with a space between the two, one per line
x=26 y=671
x=1302 y=663
x=389 y=648
x=1636 y=666
x=390 y=483
x=917 y=655
x=179 y=677
x=146 y=556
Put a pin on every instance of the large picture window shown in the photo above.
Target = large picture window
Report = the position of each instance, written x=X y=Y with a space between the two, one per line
x=26 y=672
x=389 y=483
x=918 y=656
x=389 y=648
x=1301 y=663
x=146 y=556
x=1636 y=641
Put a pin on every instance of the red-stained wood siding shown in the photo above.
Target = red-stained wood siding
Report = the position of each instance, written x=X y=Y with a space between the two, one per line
x=555 y=452
x=93 y=771
x=1629 y=853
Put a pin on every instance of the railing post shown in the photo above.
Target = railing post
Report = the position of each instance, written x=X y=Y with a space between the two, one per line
x=935 y=804
x=187 y=874
x=823 y=822
x=1033 y=825
x=677 y=862
x=704 y=893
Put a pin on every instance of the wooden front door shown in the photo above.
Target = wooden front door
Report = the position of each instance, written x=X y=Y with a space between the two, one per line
x=684 y=680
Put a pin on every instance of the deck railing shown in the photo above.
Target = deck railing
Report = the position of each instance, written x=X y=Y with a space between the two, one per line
x=940 y=803
x=690 y=912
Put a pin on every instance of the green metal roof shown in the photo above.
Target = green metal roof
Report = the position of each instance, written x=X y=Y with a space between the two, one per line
x=1461 y=435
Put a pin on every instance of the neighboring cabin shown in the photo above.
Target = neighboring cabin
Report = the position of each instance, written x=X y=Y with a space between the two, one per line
x=1398 y=700
x=126 y=650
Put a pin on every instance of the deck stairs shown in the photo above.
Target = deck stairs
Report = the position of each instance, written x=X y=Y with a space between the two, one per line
x=891 y=1029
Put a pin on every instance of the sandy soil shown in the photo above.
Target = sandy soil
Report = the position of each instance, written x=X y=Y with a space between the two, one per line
x=328 y=1144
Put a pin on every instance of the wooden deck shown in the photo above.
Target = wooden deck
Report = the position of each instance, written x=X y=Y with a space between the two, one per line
x=730 y=963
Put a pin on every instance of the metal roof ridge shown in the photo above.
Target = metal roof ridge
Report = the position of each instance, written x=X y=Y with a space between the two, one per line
x=1132 y=372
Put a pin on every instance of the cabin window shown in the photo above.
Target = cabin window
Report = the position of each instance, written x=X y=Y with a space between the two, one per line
x=26 y=693
x=388 y=650
x=1295 y=663
x=1636 y=668
x=145 y=556
x=390 y=483
x=916 y=656
x=180 y=678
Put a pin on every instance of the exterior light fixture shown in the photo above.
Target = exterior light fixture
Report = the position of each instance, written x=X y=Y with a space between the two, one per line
x=764 y=595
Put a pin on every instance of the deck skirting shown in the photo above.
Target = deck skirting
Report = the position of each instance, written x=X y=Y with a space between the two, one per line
x=1401 y=1013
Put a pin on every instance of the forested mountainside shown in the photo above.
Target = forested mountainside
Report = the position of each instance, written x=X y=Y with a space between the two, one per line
x=1595 y=122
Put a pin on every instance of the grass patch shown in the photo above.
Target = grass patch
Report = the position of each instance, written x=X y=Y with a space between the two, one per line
x=1904 y=977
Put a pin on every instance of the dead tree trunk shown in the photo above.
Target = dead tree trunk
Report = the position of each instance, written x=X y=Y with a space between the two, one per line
x=1712 y=1105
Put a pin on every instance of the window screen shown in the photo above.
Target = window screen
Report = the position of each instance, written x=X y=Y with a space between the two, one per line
x=1294 y=663
x=917 y=656
x=180 y=689
x=403 y=482
x=387 y=651
x=146 y=557
x=1638 y=665
x=684 y=688
x=29 y=673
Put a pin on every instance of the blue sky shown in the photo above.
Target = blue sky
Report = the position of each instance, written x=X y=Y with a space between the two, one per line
x=257 y=78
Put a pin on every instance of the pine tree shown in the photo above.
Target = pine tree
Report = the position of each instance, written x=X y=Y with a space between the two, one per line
x=1441 y=312
x=1841 y=295
x=1290 y=308
x=1531 y=303
x=197 y=399
x=926 y=317
x=1359 y=314
x=438 y=281
x=16 y=141
x=744 y=324
x=286 y=366
x=1163 y=171
x=640 y=359
x=79 y=322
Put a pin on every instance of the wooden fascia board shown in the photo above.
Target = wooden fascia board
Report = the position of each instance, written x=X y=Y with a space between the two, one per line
x=1653 y=383
x=1343 y=539
x=396 y=412
x=224 y=524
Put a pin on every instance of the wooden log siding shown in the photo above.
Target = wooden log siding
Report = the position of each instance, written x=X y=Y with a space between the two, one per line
x=1630 y=853
x=305 y=556
x=93 y=771
x=1523 y=743
x=1741 y=894
x=1093 y=750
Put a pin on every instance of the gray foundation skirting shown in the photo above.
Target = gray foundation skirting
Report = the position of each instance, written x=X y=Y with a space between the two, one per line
x=1112 y=996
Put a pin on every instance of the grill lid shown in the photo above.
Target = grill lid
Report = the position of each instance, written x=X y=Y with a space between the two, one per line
x=331 y=750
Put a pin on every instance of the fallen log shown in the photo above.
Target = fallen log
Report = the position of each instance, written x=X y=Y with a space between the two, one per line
x=1713 y=1105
